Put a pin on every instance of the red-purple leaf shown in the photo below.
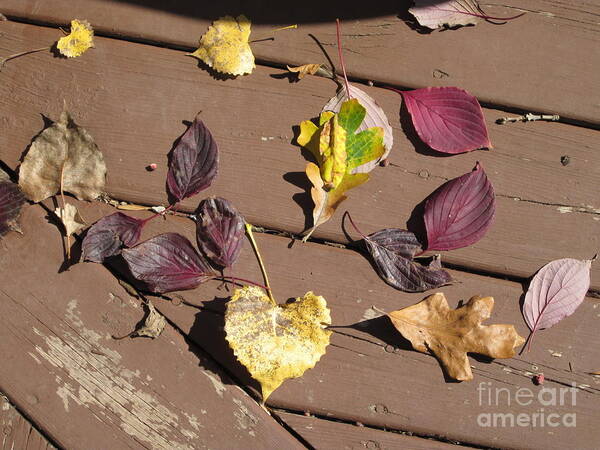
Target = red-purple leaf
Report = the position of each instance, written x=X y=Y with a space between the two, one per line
x=167 y=262
x=194 y=162
x=555 y=292
x=460 y=212
x=109 y=235
x=393 y=250
x=11 y=201
x=448 y=119
x=219 y=231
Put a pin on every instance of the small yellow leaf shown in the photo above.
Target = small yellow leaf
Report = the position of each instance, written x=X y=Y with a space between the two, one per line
x=332 y=148
x=71 y=219
x=306 y=69
x=276 y=342
x=78 y=41
x=225 y=47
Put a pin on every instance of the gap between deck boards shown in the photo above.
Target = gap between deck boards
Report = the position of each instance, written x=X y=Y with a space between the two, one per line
x=266 y=63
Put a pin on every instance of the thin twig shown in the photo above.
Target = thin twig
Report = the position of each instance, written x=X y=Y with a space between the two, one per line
x=63 y=210
x=529 y=117
x=260 y=261
x=16 y=55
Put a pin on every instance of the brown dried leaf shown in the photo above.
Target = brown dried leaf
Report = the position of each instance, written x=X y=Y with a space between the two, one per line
x=63 y=148
x=432 y=327
x=306 y=69
x=153 y=325
x=71 y=219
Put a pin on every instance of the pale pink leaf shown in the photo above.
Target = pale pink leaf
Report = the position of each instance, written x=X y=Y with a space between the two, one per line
x=435 y=14
x=460 y=212
x=375 y=117
x=447 y=119
x=555 y=292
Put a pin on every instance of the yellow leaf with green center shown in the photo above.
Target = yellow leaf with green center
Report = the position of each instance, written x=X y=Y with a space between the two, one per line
x=332 y=148
x=225 y=47
x=276 y=342
x=364 y=146
x=78 y=41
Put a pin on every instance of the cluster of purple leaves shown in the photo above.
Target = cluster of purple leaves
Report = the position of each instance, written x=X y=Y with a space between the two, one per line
x=456 y=215
x=169 y=261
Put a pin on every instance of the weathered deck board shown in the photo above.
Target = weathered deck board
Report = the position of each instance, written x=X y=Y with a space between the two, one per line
x=325 y=434
x=369 y=373
x=516 y=64
x=545 y=210
x=17 y=432
x=86 y=390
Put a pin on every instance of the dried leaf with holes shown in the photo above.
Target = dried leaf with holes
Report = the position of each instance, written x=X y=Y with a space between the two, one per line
x=432 y=327
x=225 y=47
x=154 y=324
x=70 y=218
x=78 y=41
x=306 y=69
x=63 y=150
x=276 y=342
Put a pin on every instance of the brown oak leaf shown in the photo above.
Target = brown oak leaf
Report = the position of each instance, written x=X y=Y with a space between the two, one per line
x=449 y=334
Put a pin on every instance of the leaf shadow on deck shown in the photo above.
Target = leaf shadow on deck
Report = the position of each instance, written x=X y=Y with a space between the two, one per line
x=208 y=343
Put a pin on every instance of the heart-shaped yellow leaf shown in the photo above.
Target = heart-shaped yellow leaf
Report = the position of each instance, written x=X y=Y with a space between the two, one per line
x=225 y=47
x=276 y=342
x=78 y=41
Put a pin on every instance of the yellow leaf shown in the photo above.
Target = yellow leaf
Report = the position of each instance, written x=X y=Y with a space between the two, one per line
x=332 y=148
x=306 y=69
x=432 y=327
x=225 y=47
x=276 y=342
x=326 y=202
x=78 y=41
x=71 y=219
x=309 y=136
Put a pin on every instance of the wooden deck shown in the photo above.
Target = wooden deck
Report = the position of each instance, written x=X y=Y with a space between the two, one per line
x=69 y=384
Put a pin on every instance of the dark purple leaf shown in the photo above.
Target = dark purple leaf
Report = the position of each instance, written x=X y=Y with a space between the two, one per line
x=555 y=292
x=393 y=250
x=448 y=119
x=219 y=231
x=194 y=162
x=109 y=235
x=167 y=262
x=11 y=201
x=460 y=212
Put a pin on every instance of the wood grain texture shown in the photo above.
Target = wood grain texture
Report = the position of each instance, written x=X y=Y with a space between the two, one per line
x=325 y=434
x=549 y=50
x=17 y=431
x=85 y=389
x=133 y=99
x=371 y=375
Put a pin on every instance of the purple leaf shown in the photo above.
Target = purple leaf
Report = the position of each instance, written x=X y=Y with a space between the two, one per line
x=11 y=201
x=194 y=162
x=375 y=117
x=393 y=250
x=447 y=119
x=219 y=231
x=109 y=235
x=167 y=262
x=460 y=212
x=555 y=292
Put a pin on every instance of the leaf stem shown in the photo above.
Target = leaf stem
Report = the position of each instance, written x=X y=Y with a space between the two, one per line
x=355 y=227
x=16 y=55
x=62 y=211
x=339 y=43
x=237 y=280
x=482 y=15
x=272 y=38
x=162 y=213
x=260 y=261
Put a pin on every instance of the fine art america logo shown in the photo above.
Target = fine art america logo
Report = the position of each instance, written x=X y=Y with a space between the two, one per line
x=549 y=406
